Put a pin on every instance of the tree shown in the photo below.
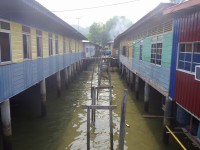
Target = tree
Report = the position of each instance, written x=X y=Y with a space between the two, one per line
x=103 y=33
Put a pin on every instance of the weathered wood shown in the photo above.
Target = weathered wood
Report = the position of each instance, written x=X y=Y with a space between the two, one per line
x=192 y=138
x=111 y=129
x=103 y=87
x=88 y=128
x=153 y=116
x=112 y=107
x=122 y=121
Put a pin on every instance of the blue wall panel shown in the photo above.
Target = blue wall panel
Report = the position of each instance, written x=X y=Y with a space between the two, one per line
x=159 y=75
x=16 y=78
x=5 y=83
x=174 y=59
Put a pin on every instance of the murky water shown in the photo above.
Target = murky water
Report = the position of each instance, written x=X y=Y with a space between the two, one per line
x=65 y=125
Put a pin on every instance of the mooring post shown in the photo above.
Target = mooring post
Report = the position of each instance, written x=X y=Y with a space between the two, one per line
x=58 y=83
x=88 y=128
x=137 y=86
x=122 y=121
x=167 y=119
x=146 y=97
x=43 y=100
x=66 y=77
x=6 y=125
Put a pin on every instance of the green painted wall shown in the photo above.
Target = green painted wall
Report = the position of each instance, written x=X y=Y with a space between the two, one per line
x=146 y=56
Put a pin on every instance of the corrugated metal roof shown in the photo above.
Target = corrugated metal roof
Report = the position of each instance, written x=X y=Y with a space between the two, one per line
x=186 y=5
x=156 y=11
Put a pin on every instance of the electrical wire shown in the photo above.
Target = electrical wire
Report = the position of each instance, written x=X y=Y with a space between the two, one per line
x=95 y=7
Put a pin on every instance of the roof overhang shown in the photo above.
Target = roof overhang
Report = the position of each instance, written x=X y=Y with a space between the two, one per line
x=31 y=13
x=188 y=5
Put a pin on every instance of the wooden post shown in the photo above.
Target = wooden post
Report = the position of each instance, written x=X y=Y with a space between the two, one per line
x=93 y=103
x=66 y=77
x=43 y=100
x=58 y=83
x=110 y=108
x=122 y=121
x=88 y=128
x=146 y=97
x=131 y=80
x=111 y=129
x=69 y=74
x=6 y=125
x=137 y=87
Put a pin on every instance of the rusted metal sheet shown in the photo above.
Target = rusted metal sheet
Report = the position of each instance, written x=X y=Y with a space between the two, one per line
x=187 y=92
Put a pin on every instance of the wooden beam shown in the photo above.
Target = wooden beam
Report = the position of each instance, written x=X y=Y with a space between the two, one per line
x=112 y=107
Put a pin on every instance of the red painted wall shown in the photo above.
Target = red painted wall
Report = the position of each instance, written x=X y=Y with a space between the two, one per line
x=187 y=92
x=189 y=27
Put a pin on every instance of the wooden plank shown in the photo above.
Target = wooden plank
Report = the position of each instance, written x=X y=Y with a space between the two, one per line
x=152 y=116
x=192 y=138
x=112 y=107
x=104 y=87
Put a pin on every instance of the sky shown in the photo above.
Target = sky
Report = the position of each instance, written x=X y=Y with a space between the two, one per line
x=131 y=9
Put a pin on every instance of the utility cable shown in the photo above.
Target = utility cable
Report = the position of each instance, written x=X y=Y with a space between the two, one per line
x=95 y=7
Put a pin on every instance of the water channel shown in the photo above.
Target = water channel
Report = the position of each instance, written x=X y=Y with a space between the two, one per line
x=65 y=125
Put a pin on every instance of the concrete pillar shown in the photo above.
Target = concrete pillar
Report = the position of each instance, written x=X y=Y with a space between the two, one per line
x=167 y=111
x=198 y=132
x=146 y=97
x=137 y=86
x=6 y=125
x=167 y=119
x=66 y=77
x=43 y=100
x=58 y=79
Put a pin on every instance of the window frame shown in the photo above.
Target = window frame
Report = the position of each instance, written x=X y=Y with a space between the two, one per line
x=50 y=45
x=28 y=40
x=10 y=43
x=191 y=62
x=141 y=51
x=40 y=37
x=56 y=45
x=158 y=39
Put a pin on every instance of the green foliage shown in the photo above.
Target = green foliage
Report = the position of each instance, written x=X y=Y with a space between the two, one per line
x=102 y=33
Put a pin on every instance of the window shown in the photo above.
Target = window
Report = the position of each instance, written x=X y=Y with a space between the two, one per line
x=56 y=44
x=156 y=53
x=189 y=56
x=5 y=50
x=125 y=51
x=156 y=49
x=26 y=42
x=141 y=47
x=64 y=46
x=39 y=43
x=50 y=45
